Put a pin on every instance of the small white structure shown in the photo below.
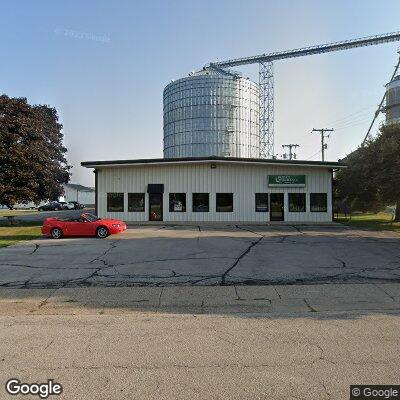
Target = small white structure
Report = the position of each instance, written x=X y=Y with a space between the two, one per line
x=82 y=194
x=214 y=189
x=72 y=192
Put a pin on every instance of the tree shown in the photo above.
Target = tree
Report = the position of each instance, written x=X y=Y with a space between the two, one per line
x=386 y=166
x=372 y=176
x=33 y=166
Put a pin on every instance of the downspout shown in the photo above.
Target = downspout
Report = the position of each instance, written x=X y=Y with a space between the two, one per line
x=96 y=192
x=332 y=195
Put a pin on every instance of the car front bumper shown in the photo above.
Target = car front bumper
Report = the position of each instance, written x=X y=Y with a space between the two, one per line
x=117 y=229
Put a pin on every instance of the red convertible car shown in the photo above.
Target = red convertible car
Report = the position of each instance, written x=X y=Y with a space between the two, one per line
x=85 y=225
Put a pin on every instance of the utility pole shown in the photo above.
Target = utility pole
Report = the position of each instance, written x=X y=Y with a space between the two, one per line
x=324 y=146
x=291 y=154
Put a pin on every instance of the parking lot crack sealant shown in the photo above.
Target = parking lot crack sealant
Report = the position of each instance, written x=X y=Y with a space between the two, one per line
x=35 y=249
x=223 y=277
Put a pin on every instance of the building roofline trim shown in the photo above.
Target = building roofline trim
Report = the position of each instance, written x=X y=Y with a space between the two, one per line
x=202 y=160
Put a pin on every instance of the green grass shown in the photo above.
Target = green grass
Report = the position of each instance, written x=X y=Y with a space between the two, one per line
x=11 y=234
x=5 y=212
x=377 y=222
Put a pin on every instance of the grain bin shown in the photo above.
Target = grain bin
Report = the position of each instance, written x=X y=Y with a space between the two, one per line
x=211 y=113
x=393 y=101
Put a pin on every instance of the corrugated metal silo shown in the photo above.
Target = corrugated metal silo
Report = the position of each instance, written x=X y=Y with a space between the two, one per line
x=393 y=101
x=211 y=113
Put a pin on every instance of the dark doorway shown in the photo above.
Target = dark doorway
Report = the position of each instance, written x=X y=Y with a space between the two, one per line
x=155 y=206
x=276 y=207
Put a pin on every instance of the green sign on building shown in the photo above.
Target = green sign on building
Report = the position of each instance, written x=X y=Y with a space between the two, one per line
x=287 y=180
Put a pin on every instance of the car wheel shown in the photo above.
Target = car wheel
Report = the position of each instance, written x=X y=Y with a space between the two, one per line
x=102 y=232
x=56 y=233
x=40 y=209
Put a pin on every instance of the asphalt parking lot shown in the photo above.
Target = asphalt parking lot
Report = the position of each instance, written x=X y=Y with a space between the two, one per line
x=277 y=312
x=205 y=255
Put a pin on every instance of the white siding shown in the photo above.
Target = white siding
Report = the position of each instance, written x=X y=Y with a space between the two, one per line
x=84 y=197
x=243 y=180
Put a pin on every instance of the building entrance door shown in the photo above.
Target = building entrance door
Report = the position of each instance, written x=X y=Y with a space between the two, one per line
x=155 y=206
x=276 y=207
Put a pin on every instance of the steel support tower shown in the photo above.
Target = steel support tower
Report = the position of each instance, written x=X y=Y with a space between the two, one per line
x=266 y=78
x=266 y=84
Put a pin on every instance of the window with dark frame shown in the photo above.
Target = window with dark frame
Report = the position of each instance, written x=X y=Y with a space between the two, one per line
x=318 y=202
x=297 y=202
x=201 y=202
x=224 y=202
x=136 y=202
x=177 y=202
x=261 y=202
x=115 y=202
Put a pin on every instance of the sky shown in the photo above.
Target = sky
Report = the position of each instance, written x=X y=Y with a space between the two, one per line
x=104 y=64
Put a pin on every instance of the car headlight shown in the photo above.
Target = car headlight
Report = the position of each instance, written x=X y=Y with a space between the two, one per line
x=116 y=225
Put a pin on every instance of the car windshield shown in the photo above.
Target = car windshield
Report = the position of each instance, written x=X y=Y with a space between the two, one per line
x=90 y=217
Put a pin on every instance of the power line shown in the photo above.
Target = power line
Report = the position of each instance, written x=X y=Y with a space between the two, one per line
x=352 y=123
x=352 y=116
x=309 y=158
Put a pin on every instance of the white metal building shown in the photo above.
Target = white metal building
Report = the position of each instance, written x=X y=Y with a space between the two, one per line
x=75 y=192
x=214 y=189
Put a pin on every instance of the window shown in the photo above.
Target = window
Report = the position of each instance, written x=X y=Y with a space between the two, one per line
x=261 y=202
x=136 y=202
x=224 y=202
x=177 y=202
x=201 y=202
x=297 y=202
x=318 y=202
x=115 y=202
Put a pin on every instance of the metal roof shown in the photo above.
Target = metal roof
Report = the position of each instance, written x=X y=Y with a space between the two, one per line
x=80 y=188
x=215 y=159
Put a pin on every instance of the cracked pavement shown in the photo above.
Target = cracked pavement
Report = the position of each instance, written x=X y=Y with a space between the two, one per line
x=205 y=255
x=164 y=356
x=203 y=312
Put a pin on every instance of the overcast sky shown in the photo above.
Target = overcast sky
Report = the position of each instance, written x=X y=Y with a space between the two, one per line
x=104 y=64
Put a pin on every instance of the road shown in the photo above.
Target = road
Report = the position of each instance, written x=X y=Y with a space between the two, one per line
x=41 y=216
x=205 y=255
x=100 y=343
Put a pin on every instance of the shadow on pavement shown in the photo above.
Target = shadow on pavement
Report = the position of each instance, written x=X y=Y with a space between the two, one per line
x=312 y=271
x=330 y=301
